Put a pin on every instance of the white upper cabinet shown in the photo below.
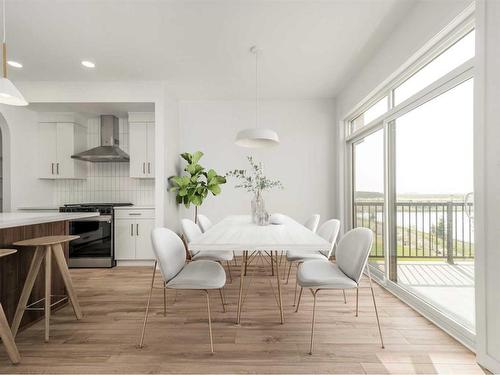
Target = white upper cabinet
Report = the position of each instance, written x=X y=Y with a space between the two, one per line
x=141 y=144
x=59 y=138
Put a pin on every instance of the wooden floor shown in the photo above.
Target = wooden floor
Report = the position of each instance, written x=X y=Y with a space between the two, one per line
x=113 y=303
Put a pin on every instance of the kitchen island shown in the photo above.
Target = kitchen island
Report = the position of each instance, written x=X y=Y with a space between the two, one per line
x=17 y=226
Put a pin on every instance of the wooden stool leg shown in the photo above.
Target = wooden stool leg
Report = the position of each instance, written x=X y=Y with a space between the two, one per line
x=63 y=268
x=7 y=339
x=48 y=290
x=28 y=286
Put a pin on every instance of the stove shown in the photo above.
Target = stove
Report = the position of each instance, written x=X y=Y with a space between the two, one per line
x=95 y=247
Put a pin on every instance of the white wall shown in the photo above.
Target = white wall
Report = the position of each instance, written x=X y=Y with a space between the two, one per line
x=303 y=161
x=487 y=183
x=20 y=156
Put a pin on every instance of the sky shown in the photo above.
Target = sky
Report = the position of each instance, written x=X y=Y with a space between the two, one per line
x=434 y=153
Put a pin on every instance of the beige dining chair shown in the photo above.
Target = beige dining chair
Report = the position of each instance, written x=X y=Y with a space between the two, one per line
x=351 y=259
x=177 y=274
x=192 y=231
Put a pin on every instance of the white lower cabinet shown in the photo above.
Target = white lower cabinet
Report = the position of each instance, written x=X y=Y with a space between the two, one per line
x=133 y=229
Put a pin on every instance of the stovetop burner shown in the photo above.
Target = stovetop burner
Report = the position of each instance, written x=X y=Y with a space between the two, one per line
x=103 y=208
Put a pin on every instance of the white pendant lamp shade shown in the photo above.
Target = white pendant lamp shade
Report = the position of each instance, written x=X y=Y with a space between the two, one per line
x=9 y=94
x=257 y=138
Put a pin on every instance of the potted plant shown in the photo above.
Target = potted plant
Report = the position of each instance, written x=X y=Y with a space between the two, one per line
x=194 y=186
x=255 y=182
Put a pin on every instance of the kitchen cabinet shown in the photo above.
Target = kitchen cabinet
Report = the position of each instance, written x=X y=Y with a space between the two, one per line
x=142 y=144
x=133 y=227
x=59 y=140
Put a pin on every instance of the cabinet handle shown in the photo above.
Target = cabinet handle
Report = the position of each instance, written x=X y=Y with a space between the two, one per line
x=137 y=229
x=143 y=168
x=57 y=168
x=135 y=214
x=52 y=168
x=149 y=167
x=131 y=229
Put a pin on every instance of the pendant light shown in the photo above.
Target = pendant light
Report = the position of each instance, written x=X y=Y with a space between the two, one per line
x=9 y=94
x=256 y=137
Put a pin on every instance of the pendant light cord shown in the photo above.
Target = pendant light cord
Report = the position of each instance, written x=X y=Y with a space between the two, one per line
x=3 y=21
x=256 y=87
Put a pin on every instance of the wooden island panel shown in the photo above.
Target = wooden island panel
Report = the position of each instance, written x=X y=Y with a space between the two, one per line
x=14 y=269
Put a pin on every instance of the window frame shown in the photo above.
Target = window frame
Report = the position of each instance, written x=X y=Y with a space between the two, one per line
x=457 y=29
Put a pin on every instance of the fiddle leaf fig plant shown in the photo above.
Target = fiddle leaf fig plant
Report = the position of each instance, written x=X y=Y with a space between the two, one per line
x=193 y=187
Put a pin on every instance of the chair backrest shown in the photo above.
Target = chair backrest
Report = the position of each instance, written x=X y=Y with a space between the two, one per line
x=169 y=252
x=312 y=223
x=353 y=251
x=329 y=230
x=204 y=223
x=190 y=230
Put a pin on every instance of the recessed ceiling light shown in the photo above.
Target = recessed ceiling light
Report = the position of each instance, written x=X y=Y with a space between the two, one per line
x=14 y=64
x=88 y=64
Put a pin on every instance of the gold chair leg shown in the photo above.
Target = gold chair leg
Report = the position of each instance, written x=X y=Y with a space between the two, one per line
x=48 y=290
x=345 y=299
x=141 y=342
x=375 y=306
x=209 y=322
x=289 y=269
x=313 y=319
x=164 y=300
x=229 y=271
x=357 y=300
x=221 y=292
x=295 y=294
x=300 y=296
x=234 y=259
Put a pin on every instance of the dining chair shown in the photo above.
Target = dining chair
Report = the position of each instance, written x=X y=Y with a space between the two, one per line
x=351 y=259
x=312 y=223
x=205 y=224
x=177 y=274
x=329 y=230
x=192 y=231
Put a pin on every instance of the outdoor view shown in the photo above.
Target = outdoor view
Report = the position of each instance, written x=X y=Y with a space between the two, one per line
x=432 y=253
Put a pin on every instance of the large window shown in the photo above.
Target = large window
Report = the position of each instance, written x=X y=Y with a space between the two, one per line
x=412 y=178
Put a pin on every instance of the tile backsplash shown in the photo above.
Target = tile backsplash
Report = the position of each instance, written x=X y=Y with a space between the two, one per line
x=105 y=182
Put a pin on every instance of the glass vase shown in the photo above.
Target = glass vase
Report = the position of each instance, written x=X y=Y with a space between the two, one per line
x=259 y=213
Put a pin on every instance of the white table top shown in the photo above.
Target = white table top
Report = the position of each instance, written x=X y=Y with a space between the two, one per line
x=239 y=233
x=18 y=219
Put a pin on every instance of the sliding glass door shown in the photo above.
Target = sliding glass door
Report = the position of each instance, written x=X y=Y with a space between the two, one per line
x=432 y=242
x=368 y=191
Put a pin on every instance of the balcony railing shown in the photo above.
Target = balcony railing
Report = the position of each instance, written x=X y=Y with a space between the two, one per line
x=424 y=229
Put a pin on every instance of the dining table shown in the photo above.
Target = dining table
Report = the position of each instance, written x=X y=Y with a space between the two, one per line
x=240 y=234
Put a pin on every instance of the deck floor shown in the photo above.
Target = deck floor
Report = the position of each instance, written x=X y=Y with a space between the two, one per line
x=113 y=302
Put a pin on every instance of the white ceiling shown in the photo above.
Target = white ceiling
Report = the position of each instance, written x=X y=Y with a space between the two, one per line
x=309 y=48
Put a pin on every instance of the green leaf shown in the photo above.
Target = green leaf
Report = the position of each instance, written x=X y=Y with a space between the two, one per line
x=178 y=199
x=187 y=157
x=211 y=174
x=182 y=192
x=196 y=200
x=215 y=189
x=196 y=157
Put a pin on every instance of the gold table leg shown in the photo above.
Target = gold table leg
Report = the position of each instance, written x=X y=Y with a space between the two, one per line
x=279 y=290
x=242 y=276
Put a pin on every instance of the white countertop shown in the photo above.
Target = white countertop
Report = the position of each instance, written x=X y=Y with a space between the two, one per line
x=18 y=219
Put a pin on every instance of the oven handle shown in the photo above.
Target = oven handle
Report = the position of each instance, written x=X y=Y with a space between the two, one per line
x=106 y=218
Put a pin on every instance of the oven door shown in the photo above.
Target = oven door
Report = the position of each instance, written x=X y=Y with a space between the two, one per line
x=94 y=248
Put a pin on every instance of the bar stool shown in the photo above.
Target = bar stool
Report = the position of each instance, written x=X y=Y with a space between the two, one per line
x=5 y=332
x=45 y=248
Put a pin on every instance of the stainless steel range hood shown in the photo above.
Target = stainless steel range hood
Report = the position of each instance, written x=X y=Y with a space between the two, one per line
x=109 y=150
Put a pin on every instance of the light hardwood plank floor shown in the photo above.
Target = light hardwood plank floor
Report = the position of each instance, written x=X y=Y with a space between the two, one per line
x=113 y=302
